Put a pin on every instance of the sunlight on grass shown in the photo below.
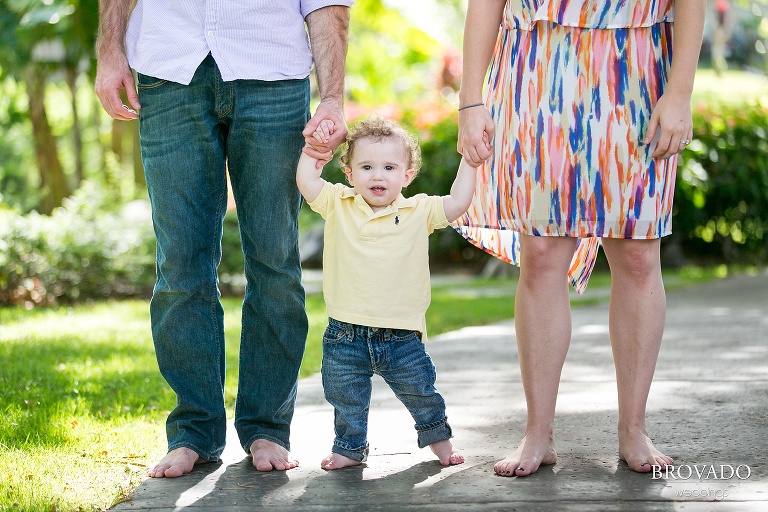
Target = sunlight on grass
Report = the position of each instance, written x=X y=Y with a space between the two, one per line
x=732 y=87
x=87 y=475
x=81 y=385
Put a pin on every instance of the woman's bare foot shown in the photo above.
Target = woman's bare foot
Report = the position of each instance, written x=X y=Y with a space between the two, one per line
x=176 y=463
x=637 y=450
x=268 y=456
x=529 y=455
x=337 y=461
x=446 y=453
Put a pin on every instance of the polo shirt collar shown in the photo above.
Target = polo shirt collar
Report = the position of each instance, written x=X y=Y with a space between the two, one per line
x=399 y=203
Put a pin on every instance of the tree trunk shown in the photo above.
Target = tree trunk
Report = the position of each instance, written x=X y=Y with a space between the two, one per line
x=117 y=139
x=138 y=167
x=53 y=183
x=112 y=174
x=77 y=139
x=96 y=119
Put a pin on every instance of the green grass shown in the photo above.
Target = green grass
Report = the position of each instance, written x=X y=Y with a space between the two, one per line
x=79 y=386
x=732 y=87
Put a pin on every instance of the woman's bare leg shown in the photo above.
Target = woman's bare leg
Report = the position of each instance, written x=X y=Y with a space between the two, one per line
x=637 y=316
x=543 y=330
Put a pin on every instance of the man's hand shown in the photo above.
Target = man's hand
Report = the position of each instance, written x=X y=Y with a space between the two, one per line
x=112 y=75
x=329 y=111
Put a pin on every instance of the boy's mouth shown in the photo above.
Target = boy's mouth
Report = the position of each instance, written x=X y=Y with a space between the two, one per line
x=378 y=190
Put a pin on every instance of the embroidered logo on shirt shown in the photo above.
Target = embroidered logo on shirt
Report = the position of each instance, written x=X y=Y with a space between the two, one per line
x=397 y=220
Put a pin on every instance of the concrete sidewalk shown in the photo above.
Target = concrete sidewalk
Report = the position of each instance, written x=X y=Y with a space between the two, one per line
x=708 y=408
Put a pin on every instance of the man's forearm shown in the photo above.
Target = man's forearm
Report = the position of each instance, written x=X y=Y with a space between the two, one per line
x=328 y=29
x=113 y=20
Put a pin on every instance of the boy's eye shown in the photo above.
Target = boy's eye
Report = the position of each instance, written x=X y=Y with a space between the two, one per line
x=389 y=167
x=367 y=167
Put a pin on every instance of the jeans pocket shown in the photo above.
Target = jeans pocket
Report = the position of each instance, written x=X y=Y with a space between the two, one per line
x=404 y=335
x=335 y=334
x=149 y=82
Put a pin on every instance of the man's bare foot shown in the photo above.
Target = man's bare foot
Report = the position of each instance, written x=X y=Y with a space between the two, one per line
x=175 y=463
x=529 y=455
x=337 y=461
x=268 y=456
x=446 y=453
x=637 y=450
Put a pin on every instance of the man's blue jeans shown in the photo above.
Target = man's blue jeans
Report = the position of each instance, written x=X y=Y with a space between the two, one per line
x=351 y=355
x=190 y=136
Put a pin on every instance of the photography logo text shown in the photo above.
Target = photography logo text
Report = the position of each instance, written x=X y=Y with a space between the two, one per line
x=698 y=474
x=701 y=472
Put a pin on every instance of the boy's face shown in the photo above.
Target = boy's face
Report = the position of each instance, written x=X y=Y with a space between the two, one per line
x=379 y=170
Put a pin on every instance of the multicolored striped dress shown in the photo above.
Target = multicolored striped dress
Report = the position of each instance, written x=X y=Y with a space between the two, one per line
x=571 y=89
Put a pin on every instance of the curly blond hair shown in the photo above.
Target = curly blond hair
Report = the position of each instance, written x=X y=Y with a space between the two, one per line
x=378 y=129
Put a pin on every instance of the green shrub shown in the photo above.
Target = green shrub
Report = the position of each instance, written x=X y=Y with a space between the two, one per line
x=721 y=195
x=84 y=250
x=87 y=249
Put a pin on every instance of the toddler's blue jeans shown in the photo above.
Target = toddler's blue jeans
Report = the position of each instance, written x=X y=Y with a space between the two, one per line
x=351 y=355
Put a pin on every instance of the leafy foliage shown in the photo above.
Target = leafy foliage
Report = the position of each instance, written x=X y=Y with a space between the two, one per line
x=84 y=250
x=721 y=197
x=388 y=58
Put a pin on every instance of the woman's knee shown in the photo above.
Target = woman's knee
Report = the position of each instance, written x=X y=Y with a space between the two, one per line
x=543 y=256
x=638 y=260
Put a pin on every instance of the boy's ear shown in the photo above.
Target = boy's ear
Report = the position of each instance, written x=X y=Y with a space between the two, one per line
x=348 y=174
x=409 y=175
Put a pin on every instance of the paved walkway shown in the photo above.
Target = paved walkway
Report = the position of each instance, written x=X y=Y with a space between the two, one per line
x=708 y=408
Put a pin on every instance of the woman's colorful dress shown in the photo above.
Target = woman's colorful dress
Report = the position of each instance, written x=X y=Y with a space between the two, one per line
x=571 y=89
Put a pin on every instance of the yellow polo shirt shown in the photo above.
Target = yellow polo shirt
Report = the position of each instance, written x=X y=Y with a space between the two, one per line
x=376 y=265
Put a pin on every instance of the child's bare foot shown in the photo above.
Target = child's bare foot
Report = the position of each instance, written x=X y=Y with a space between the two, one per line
x=175 y=463
x=268 y=456
x=529 y=455
x=446 y=453
x=338 y=461
x=637 y=450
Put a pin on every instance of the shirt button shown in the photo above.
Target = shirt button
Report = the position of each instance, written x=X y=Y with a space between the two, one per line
x=210 y=33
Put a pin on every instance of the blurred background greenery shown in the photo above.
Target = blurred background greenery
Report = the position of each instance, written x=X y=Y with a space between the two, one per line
x=74 y=221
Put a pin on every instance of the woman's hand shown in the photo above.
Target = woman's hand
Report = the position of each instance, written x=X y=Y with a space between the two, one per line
x=476 y=131
x=671 y=118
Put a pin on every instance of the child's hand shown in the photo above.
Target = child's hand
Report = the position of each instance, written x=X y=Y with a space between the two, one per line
x=308 y=150
x=324 y=130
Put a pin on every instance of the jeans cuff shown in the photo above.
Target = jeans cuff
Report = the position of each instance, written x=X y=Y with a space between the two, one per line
x=358 y=455
x=434 y=434
x=200 y=453
x=247 y=446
